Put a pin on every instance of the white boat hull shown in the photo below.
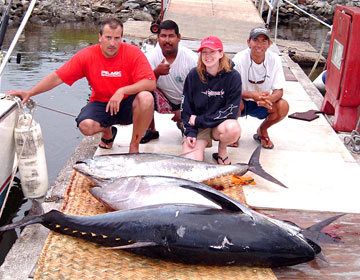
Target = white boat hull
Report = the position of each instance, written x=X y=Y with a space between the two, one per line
x=8 y=118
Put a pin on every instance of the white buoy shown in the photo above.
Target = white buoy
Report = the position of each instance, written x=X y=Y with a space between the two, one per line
x=29 y=145
x=319 y=82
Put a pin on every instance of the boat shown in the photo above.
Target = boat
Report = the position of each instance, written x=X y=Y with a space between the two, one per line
x=9 y=112
x=9 y=107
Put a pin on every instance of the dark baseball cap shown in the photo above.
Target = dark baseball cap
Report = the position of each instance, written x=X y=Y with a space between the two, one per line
x=257 y=31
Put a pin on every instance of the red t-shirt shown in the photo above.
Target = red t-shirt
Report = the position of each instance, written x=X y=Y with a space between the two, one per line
x=106 y=75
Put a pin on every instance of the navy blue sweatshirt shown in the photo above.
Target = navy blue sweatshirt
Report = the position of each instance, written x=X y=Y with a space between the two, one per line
x=213 y=102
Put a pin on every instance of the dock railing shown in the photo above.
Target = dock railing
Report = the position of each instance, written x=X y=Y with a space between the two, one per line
x=259 y=4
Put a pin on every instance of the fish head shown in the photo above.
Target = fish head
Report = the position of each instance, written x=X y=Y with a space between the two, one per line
x=91 y=168
x=82 y=167
x=119 y=193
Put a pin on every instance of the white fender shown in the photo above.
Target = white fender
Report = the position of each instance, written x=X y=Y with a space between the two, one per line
x=32 y=161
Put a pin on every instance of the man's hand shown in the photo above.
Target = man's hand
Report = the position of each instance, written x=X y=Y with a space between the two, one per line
x=263 y=99
x=114 y=103
x=24 y=95
x=47 y=83
x=162 y=69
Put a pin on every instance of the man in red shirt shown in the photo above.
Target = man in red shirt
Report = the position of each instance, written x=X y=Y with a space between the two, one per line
x=121 y=79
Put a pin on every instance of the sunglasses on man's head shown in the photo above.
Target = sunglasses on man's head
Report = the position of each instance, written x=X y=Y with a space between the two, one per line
x=256 y=82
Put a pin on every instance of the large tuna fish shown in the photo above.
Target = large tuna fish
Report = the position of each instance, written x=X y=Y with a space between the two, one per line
x=192 y=234
x=138 y=191
x=108 y=167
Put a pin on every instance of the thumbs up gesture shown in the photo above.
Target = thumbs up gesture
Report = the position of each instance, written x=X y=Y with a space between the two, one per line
x=162 y=69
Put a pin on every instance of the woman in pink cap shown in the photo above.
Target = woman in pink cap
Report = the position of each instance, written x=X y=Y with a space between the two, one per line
x=211 y=100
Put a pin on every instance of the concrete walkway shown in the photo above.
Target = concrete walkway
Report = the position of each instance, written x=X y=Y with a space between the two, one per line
x=308 y=157
x=230 y=20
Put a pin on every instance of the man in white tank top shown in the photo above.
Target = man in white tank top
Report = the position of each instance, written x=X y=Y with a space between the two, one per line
x=263 y=81
x=171 y=63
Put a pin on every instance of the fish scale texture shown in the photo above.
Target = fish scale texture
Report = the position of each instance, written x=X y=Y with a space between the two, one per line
x=66 y=257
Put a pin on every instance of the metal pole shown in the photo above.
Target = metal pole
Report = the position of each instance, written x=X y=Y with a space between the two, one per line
x=277 y=20
x=17 y=35
x=310 y=15
x=162 y=11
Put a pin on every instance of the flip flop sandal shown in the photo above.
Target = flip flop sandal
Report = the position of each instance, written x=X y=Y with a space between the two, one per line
x=109 y=141
x=217 y=158
x=258 y=139
x=149 y=135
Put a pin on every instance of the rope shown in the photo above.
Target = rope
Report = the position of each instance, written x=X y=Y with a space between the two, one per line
x=352 y=142
x=319 y=56
x=54 y=110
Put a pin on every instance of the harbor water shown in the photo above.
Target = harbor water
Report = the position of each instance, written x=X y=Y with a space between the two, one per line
x=44 y=48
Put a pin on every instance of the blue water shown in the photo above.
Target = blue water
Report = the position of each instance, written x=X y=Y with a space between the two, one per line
x=44 y=49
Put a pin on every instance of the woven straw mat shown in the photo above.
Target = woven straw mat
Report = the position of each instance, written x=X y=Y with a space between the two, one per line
x=66 y=257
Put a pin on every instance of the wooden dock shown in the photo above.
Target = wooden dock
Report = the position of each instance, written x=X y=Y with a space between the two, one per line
x=229 y=20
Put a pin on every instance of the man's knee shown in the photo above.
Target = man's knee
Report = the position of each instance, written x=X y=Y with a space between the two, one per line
x=144 y=100
x=89 y=127
x=282 y=108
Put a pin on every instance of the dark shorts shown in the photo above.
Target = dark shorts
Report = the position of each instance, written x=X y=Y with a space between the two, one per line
x=254 y=110
x=95 y=110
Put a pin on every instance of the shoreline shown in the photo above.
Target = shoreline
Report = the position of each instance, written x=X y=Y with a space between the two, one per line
x=61 y=11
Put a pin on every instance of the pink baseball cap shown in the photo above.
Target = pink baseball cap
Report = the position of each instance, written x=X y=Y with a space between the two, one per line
x=211 y=42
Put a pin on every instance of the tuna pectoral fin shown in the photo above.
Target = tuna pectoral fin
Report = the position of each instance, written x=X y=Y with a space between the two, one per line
x=314 y=232
x=255 y=167
x=134 y=246
x=322 y=257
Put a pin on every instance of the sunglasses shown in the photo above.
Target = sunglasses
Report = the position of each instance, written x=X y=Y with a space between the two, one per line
x=256 y=82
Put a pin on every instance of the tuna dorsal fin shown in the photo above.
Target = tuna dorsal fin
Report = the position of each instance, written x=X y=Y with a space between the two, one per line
x=134 y=246
x=314 y=232
x=255 y=167
x=225 y=202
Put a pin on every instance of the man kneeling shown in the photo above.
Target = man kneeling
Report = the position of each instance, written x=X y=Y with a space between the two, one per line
x=263 y=80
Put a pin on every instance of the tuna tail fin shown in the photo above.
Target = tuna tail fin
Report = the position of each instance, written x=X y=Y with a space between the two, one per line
x=314 y=232
x=35 y=216
x=255 y=167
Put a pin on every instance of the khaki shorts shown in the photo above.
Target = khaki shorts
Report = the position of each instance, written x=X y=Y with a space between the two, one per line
x=205 y=134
